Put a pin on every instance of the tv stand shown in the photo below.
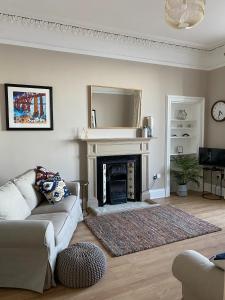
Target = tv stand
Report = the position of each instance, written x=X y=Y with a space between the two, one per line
x=211 y=170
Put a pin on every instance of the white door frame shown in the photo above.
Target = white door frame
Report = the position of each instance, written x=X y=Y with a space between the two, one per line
x=179 y=99
x=168 y=130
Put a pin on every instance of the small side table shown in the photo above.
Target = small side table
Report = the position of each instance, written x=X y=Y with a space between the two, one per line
x=211 y=171
x=84 y=195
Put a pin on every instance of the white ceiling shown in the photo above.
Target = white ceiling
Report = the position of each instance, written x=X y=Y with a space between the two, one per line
x=134 y=17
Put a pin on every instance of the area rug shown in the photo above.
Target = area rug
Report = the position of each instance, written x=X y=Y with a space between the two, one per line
x=137 y=230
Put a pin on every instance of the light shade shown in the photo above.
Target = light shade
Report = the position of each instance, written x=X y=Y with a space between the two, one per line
x=182 y=14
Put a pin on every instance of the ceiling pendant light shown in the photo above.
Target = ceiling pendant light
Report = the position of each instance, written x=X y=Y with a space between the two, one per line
x=184 y=14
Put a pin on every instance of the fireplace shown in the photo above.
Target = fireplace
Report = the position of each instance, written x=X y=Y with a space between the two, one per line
x=118 y=179
x=133 y=150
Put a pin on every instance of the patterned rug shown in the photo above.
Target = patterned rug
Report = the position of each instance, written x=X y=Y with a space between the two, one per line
x=141 y=229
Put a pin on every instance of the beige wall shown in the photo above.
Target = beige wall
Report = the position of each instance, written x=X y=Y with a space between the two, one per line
x=215 y=131
x=69 y=75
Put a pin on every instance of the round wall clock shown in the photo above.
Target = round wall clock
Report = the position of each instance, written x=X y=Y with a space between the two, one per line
x=218 y=111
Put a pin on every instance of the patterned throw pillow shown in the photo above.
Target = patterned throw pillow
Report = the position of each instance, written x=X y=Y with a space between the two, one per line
x=42 y=174
x=219 y=260
x=54 y=189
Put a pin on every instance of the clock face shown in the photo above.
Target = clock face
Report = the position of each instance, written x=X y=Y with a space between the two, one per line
x=218 y=111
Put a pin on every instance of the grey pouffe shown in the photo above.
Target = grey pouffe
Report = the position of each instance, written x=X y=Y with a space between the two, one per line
x=81 y=265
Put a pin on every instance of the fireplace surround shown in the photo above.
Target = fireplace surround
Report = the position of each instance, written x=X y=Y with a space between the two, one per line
x=99 y=147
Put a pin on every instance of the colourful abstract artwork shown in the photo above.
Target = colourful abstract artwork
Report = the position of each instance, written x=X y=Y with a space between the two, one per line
x=28 y=107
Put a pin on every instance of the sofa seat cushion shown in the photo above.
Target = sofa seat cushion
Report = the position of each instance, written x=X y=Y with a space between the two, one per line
x=66 y=205
x=13 y=206
x=26 y=184
x=60 y=223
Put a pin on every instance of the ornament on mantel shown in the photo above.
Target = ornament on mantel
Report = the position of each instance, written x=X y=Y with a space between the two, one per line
x=148 y=123
x=84 y=134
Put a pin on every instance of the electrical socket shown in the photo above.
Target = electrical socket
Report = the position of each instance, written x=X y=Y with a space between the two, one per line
x=156 y=176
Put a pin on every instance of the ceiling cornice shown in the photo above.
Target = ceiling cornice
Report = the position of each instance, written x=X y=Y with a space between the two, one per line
x=127 y=46
x=101 y=34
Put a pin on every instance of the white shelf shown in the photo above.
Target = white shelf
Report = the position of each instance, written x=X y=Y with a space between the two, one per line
x=181 y=128
x=182 y=137
x=186 y=153
x=177 y=120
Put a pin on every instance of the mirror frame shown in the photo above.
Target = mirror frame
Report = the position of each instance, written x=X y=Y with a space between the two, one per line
x=90 y=101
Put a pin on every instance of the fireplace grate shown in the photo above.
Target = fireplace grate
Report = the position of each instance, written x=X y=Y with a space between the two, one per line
x=118 y=179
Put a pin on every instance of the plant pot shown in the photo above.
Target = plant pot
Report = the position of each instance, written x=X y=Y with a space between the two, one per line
x=182 y=190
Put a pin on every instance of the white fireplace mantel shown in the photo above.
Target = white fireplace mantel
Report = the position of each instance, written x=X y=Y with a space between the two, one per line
x=112 y=147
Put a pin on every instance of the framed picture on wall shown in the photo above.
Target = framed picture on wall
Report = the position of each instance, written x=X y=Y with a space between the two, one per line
x=28 y=107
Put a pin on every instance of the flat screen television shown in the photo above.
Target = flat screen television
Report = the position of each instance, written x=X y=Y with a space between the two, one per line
x=212 y=157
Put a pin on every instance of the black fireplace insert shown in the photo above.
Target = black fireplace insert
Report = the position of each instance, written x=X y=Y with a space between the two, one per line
x=118 y=179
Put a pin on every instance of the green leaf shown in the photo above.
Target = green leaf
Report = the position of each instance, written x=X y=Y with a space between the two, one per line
x=185 y=169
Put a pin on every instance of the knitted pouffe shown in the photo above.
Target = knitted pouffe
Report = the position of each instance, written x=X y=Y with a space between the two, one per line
x=81 y=265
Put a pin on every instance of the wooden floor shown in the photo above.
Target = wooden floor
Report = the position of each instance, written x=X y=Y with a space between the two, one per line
x=143 y=275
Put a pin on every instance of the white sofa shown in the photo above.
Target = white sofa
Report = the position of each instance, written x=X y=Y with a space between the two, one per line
x=33 y=232
x=201 y=279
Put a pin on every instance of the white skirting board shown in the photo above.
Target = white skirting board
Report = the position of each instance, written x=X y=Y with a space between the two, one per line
x=157 y=193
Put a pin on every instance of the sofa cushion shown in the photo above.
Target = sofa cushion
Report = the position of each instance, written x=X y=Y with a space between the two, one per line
x=66 y=205
x=60 y=223
x=54 y=189
x=219 y=260
x=42 y=174
x=13 y=206
x=26 y=184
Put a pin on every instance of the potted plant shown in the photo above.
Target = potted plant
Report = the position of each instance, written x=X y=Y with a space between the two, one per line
x=185 y=169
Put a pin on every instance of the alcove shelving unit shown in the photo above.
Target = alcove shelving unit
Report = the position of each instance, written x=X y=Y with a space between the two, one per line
x=184 y=134
x=184 y=130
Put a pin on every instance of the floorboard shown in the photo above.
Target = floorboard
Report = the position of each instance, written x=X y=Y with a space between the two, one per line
x=143 y=275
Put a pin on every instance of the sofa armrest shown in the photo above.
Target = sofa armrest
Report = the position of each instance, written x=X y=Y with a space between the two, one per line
x=199 y=276
x=26 y=233
x=74 y=187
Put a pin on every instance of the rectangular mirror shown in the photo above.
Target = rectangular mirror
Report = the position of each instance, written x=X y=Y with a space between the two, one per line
x=111 y=107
